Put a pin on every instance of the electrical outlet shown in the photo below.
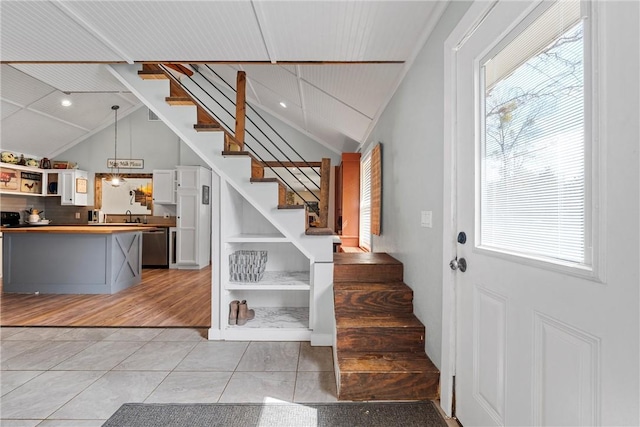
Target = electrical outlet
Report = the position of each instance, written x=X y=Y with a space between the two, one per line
x=77 y=215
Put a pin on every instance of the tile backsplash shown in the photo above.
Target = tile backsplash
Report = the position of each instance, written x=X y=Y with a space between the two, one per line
x=59 y=214
x=16 y=203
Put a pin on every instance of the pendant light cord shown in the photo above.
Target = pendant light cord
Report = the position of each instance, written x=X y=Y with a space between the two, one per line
x=115 y=145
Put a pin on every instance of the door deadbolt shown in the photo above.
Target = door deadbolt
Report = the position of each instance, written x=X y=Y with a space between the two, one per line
x=462 y=237
x=458 y=264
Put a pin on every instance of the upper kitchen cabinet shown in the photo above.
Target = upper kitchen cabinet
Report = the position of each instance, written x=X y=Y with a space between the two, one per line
x=22 y=180
x=72 y=186
x=164 y=187
x=32 y=181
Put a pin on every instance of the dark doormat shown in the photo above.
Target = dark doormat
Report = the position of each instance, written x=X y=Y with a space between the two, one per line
x=339 y=414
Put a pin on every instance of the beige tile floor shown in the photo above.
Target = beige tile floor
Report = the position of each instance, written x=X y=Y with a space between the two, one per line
x=80 y=376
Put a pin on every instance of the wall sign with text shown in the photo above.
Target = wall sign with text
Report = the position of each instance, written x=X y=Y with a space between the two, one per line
x=126 y=163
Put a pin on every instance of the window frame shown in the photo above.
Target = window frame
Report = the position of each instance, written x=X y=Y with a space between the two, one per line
x=368 y=244
x=594 y=253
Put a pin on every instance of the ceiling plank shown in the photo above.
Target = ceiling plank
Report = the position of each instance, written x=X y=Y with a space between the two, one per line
x=261 y=19
x=93 y=31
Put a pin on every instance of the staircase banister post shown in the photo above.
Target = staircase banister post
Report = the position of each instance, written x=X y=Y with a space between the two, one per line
x=241 y=83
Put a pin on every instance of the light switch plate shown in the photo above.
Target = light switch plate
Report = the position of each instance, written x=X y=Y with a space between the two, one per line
x=426 y=219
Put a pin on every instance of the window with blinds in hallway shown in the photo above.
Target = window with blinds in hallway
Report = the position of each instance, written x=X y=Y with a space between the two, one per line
x=365 y=203
x=533 y=188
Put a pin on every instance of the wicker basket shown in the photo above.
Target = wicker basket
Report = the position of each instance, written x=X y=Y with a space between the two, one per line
x=247 y=266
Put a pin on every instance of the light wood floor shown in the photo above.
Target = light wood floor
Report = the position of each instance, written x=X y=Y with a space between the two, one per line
x=164 y=298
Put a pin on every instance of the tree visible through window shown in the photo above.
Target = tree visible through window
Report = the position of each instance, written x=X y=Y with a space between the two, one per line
x=533 y=157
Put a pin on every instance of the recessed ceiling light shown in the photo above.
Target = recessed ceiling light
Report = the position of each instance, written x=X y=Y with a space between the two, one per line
x=283 y=105
x=66 y=102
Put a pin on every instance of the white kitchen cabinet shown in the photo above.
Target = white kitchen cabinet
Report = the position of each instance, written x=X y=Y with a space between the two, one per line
x=29 y=181
x=164 y=187
x=282 y=299
x=193 y=219
x=73 y=186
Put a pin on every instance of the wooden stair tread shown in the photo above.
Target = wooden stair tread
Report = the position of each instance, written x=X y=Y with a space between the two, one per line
x=342 y=258
x=370 y=286
x=204 y=127
x=319 y=231
x=152 y=75
x=265 y=180
x=352 y=361
x=290 y=206
x=366 y=267
x=179 y=100
x=179 y=68
x=276 y=180
x=240 y=153
x=352 y=249
x=236 y=153
x=364 y=322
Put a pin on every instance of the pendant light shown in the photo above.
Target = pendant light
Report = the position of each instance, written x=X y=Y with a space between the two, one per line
x=115 y=179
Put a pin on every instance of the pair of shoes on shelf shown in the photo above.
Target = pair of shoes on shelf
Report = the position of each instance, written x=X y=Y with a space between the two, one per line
x=239 y=313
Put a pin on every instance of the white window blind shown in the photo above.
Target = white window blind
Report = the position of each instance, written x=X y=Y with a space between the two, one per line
x=365 y=203
x=533 y=153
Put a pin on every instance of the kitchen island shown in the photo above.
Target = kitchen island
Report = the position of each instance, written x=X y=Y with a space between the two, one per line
x=72 y=259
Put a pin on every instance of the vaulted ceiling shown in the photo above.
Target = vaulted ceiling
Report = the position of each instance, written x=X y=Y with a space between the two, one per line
x=335 y=64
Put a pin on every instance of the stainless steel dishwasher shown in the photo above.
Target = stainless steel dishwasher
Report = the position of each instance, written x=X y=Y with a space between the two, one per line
x=155 y=248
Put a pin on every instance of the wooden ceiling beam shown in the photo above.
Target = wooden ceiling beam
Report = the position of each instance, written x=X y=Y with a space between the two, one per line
x=272 y=63
x=225 y=62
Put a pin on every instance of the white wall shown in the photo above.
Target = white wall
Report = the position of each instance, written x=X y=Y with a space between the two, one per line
x=138 y=138
x=411 y=133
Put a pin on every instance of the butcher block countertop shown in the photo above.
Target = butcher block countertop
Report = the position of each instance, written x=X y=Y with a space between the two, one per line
x=71 y=259
x=77 y=229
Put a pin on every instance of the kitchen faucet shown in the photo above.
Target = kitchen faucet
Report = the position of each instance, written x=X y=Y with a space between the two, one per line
x=128 y=212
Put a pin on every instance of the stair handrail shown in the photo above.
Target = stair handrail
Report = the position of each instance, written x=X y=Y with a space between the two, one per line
x=230 y=134
x=247 y=117
x=258 y=114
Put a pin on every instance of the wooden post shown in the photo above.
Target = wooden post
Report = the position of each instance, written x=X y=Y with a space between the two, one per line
x=325 y=176
x=241 y=83
x=227 y=142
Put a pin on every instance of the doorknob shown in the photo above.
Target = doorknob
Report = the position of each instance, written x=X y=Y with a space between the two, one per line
x=458 y=264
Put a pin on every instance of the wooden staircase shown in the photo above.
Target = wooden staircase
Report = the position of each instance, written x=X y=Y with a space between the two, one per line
x=178 y=96
x=205 y=123
x=245 y=186
x=380 y=343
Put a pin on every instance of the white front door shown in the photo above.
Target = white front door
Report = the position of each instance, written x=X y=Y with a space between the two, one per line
x=545 y=334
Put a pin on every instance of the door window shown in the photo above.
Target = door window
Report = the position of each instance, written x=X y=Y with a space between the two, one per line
x=533 y=178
